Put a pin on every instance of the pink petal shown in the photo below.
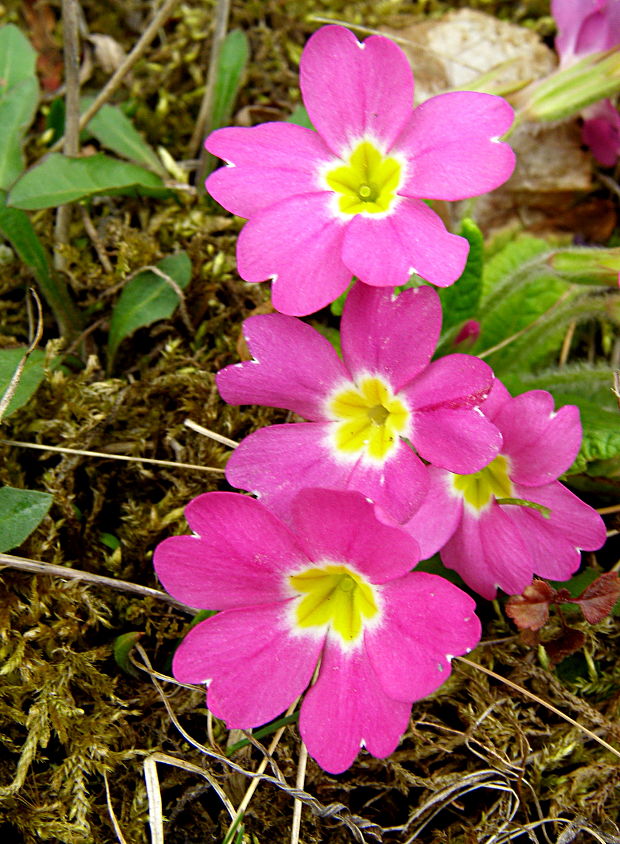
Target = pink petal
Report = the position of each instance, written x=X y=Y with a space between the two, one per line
x=462 y=441
x=393 y=336
x=341 y=526
x=347 y=708
x=585 y=26
x=271 y=162
x=455 y=381
x=354 y=90
x=426 y=621
x=398 y=485
x=257 y=669
x=277 y=378
x=277 y=461
x=570 y=516
x=601 y=132
x=297 y=243
x=552 y=554
x=223 y=568
x=451 y=143
x=487 y=551
x=412 y=239
x=434 y=522
x=540 y=442
x=496 y=399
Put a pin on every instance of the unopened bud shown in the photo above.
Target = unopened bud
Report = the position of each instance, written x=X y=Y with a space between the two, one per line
x=587 y=265
x=570 y=90
x=467 y=336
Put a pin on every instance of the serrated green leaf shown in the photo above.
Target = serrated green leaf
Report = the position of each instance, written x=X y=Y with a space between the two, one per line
x=17 y=57
x=17 y=109
x=518 y=289
x=115 y=131
x=508 y=264
x=232 y=61
x=21 y=511
x=31 y=377
x=59 y=180
x=460 y=301
x=146 y=299
x=601 y=430
x=589 y=381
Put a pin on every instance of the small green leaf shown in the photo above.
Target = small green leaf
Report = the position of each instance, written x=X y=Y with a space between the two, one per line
x=15 y=225
x=300 y=117
x=116 y=132
x=59 y=179
x=21 y=511
x=146 y=299
x=123 y=646
x=17 y=109
x=17 y=57
x=460 y=301
x=232 y=61
x=32 y=375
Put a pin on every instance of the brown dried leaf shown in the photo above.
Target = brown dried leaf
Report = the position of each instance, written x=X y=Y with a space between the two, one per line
x=598 y=599
x=569 y=641
x=530 y=610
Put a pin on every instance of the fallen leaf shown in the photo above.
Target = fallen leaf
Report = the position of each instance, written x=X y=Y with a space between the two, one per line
x=530 y=610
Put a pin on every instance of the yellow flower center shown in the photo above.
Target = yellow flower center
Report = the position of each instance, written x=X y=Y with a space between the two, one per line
x=491 y=482
x=337 y=596
x=367 y=182
x=370 y=418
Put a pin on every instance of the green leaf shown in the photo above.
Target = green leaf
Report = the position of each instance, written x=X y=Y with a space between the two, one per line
x=17 y=109
x=460 y=301
x=146 y=299
x=59 y=179
x=31 y=377
x=518 y=288
x=21 y=511
x=17 y=57
x=586 y=380
x=300 y=117
x=601 y=430
x=115 y=131
x=123 y=646
x=16 y=227
x=232 y=61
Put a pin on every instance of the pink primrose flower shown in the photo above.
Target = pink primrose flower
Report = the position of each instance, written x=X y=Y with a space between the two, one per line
x=347 y=199
x=493 y=544
x=585 y=27
x=601 y=132
x=366 y=411
x=333 y=587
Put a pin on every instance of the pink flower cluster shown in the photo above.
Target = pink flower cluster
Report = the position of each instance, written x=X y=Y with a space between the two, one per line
x=585 y=27
x=399 y=457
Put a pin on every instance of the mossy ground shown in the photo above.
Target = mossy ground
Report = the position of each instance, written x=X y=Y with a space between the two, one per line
x=479 y=763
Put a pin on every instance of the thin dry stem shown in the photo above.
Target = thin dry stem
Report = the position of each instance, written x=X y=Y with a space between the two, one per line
x=299 y=783
x=542 y=702
x=5 y=399
x=207 y=432
x=71 y=139
x=117 y=77
x=109 y=456
x=37 y=567
x=205 y=115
